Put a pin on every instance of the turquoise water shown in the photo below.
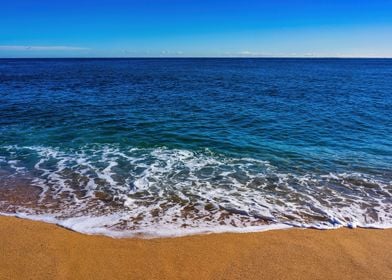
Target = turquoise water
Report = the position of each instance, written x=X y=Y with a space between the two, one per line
x=175 y=146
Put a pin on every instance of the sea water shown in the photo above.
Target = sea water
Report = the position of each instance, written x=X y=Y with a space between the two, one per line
x=163 y=147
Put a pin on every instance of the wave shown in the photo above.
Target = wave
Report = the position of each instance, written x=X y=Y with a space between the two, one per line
x=151 y=192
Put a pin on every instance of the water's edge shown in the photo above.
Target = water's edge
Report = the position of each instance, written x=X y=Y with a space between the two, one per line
x=190 y=232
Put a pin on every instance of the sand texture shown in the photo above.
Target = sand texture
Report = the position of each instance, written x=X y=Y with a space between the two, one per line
x=35 y=250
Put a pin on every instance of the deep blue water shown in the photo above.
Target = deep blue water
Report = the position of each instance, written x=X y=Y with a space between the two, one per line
x=303 y=142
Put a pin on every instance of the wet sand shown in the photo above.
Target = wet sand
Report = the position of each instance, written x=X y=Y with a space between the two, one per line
x=35 y=250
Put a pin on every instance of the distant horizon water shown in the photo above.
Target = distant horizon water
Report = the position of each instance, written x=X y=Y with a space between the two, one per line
x=197 y=57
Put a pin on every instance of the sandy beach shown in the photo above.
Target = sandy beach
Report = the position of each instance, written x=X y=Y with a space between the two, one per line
x=36 y=250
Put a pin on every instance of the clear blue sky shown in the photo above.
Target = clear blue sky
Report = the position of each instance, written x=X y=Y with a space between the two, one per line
x=49 y=28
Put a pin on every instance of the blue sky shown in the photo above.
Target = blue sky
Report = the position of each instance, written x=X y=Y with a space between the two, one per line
x=119 y=28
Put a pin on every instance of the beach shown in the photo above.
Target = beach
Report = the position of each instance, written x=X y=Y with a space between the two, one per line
x=195 y=140
x=37 y=250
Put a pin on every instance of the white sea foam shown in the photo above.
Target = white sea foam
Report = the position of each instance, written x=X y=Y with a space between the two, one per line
x=169 y=192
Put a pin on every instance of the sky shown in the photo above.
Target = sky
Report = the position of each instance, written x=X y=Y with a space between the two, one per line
x=195 y=28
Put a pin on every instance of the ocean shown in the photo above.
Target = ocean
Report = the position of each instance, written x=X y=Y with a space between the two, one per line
x=168 y=147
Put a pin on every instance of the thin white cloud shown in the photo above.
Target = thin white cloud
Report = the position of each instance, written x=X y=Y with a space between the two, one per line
x=251 y=53
x=40 y=48
x=246 y=53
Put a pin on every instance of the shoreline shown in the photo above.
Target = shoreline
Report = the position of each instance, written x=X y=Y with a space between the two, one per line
x=38 y=250
x=165 y=233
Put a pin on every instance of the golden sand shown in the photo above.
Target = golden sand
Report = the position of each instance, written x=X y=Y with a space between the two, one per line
x=35 y=250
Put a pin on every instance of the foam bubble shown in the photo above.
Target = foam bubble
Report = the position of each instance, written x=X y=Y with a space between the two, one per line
x=166 y=192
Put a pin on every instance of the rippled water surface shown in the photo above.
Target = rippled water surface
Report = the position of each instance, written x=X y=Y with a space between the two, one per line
x=159 y=147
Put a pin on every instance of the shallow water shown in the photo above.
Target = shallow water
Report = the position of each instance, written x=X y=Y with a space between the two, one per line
x=175 y=146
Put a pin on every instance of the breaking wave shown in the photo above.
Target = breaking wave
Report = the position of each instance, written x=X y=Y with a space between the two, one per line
x=105 y=189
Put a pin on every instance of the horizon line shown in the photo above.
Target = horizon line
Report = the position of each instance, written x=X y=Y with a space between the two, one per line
x=203 y=57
